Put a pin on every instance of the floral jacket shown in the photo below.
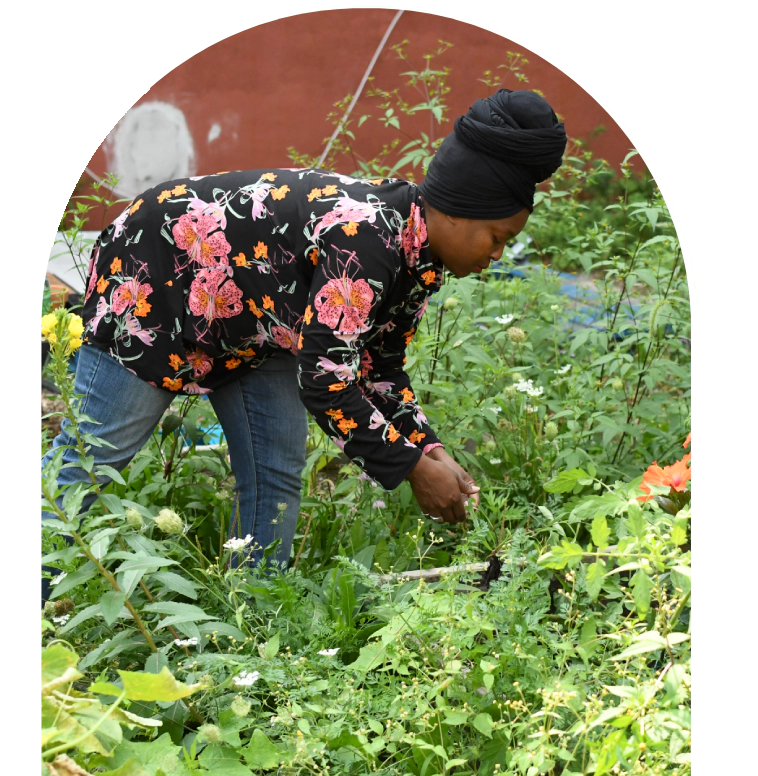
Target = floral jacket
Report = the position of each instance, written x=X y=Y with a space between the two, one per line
x=202 y=278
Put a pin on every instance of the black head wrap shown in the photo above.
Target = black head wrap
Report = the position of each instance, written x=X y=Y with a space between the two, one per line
x=489 y=166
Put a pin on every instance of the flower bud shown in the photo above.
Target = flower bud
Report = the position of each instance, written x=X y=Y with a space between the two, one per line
x=48 y=610
x=75 y=326
x=617 y=384
x=206 y=682
x=450 y=303
x=134 y=518
x=209 y=733
x=490 y=445
x=241 y=707
x=551 y=430
x=169 y=522
x=517 y=377
x=516 y=335
x=510 y=391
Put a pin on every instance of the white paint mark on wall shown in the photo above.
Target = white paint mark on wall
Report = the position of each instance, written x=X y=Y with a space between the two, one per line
x=151 y=144
x=215 y=131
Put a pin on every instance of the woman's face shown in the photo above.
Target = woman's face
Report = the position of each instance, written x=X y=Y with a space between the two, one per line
x=466 y=245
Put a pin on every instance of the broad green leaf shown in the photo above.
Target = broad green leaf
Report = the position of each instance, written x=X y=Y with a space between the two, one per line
x=176 y=583
x=222 y=760
x=456 y=717
x=111 y=604
x=108 y=471
x=483 y=723
x=56 y=660
x=260 y=753
x=567 y=553
x=74 y=579
x=223 y=629
x=642 y=587
x=155 y=687
x=600 y=532
x=595 y=576
x=636 y=520
x=271 y=647
x=177 y=608
x=83 y=616
x=145 y=562
x=565 y=481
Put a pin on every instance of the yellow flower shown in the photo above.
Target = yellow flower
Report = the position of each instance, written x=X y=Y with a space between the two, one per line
x=330 y=190
x=49 y=322
x=75 y=326
x=280 y=193
x=74 y=344
x=180 y=189
x=268 y=176
x=315 y=193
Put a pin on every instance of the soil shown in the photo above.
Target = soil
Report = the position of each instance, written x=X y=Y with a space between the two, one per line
x=51 y=403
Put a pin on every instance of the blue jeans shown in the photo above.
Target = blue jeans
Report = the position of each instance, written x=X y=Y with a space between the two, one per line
x=263 y=419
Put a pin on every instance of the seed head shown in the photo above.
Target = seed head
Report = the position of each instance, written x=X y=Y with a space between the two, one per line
x=551 y=430
x=169 y=522
x=516 y=335
x=241 y=707
x=134 y=518
x=210 y=733
x=450 y=303
x=617 y=384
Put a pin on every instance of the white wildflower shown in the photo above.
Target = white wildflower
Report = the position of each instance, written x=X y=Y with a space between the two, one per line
x=528 y=387
x=62 y=620
x=529 y=408
x=504 y=319
x=554 y=308
x=378 y=504
x=563 y=370
x=246 y=679
x=238 y=544
x=191 y=642
x=495 y=461
x=495 y=409
x=329 y=652
x=59 y=578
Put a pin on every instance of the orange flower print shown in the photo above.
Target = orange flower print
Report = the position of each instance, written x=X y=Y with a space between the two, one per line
x=335 y=414
x=171 y=384
x=308 y=314
x=416 y=437
x=675 y=476
x=280 y=193
x=163 y=196
x=240 y=260
x=175 y=361
x=261 y=250
x=268 y=176
x=143 y=306
x=232 y=363
x=376 y=181
x=169 y=282
x=313 y=256
x=300 y=341
x=350 y=228
x=407 y=395
x=409 y=336
x=268 y=303
x=429 y=277
x=258 y=313
x=249 y=353
x=329 y=191
x=135 y=207
x=115 y=265
x=177 y=191
x=102 y=284
x=334 y=387
x=392 y=433
x=346 y=424
x=314 y=193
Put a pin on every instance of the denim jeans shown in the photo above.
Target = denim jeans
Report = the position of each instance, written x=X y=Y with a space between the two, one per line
x=263 y=420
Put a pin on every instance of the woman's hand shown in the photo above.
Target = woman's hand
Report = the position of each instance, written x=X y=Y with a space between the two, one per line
x=441 y=455
x=440 y=490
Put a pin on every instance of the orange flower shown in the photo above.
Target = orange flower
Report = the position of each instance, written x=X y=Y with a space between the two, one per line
x=376 y=181
x=232 y=363
x=280 y=193
x=175 y=361
x=300 y=341
x=416 y=437
x=163 y=196
x=179 y=190
x=143 y=306
x=102 y=284
x=169 y=282
x=240 y=259
x=335 y=414
x=429 y=277
x=329 y=191
x=308 y=314
x=334 y=387
x=314 y=193
x=688 y=440
x=115 y=265
x=135 y=207
x=313 y=256
x=268 y=303
x=675 y=476
x=171 y=384
x=392 y=433
x=409 y=336
x=407 y=394
x=249 y=353
x=268 y=176
x=261 y=250
x=254 y=308
x=346 y=424
x=350 y=228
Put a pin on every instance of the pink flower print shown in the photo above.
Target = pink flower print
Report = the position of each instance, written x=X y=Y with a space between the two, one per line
x=377 y=420
x=261 y=337
x=119 y=223
x=194 y=388
x=344 y=304
x=129 y=294
x=366 y=364
x=420 y=416
x=339 y=442
x=192 y=234
x=285 y=338
x=345 y=211
x=135 y=329
x=413 y=235
x=380 y=387
x=200 y=362
x=102 y=309
x=213 y=298
x=341 y=371
x=200 y=208
x=92 y=281
x=419 y=314
x=258 y=192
